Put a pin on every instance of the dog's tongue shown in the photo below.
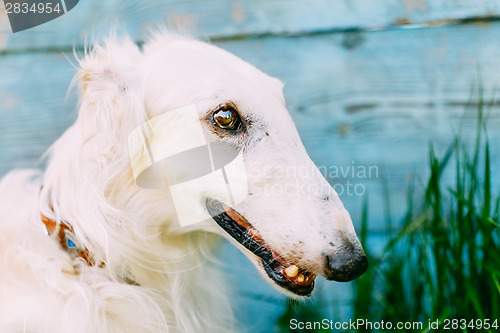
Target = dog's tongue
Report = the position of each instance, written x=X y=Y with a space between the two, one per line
x=245 y=224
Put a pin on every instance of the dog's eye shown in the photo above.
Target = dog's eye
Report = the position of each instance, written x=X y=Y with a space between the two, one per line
x=227 y=118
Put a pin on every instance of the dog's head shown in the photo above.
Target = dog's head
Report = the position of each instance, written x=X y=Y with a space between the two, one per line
x=291 y=223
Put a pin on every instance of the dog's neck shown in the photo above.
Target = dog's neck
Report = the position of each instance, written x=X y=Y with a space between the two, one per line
x=131 y=231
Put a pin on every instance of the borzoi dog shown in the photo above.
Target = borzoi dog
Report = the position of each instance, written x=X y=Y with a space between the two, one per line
x=84 y=248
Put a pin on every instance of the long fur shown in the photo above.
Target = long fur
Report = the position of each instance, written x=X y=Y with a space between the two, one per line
x=42 y=290
x=156 y=278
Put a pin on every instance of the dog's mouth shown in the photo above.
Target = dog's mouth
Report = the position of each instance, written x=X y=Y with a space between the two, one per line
x=285 y=274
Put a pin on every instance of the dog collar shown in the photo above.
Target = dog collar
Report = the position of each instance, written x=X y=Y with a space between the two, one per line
x=65 y=235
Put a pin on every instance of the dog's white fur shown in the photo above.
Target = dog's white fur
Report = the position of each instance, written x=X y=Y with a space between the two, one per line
x=89 y=183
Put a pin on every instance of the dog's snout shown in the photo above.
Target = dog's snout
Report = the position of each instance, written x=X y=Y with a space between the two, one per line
x=346 y=265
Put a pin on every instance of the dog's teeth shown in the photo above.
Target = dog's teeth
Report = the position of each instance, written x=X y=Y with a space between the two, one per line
x=292 y=271
x=253 y=233
x=300 y=278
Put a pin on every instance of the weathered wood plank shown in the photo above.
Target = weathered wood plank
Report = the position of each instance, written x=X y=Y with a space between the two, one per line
x=230 y=19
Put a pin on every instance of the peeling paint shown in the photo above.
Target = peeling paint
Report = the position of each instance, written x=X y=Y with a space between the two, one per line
x=185 y=22
x=344 y=129
x=238 y=13
x=8 y=102
x=353 y=108
x=352 y=39
x=415 y=5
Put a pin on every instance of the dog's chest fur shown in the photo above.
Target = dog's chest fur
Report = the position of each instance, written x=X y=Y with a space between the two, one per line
x=41 y=290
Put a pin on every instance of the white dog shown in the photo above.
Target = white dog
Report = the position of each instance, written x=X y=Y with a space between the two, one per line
x=83 y=248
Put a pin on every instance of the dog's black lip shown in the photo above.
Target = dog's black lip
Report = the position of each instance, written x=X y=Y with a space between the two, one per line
x=272 y=267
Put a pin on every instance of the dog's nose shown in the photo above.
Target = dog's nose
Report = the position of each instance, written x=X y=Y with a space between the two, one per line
x=346 y=266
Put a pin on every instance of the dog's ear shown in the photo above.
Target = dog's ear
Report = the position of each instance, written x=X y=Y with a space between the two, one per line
x=107 y=73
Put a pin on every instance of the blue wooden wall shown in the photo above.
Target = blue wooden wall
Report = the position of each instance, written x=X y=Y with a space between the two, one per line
x=368 y=82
